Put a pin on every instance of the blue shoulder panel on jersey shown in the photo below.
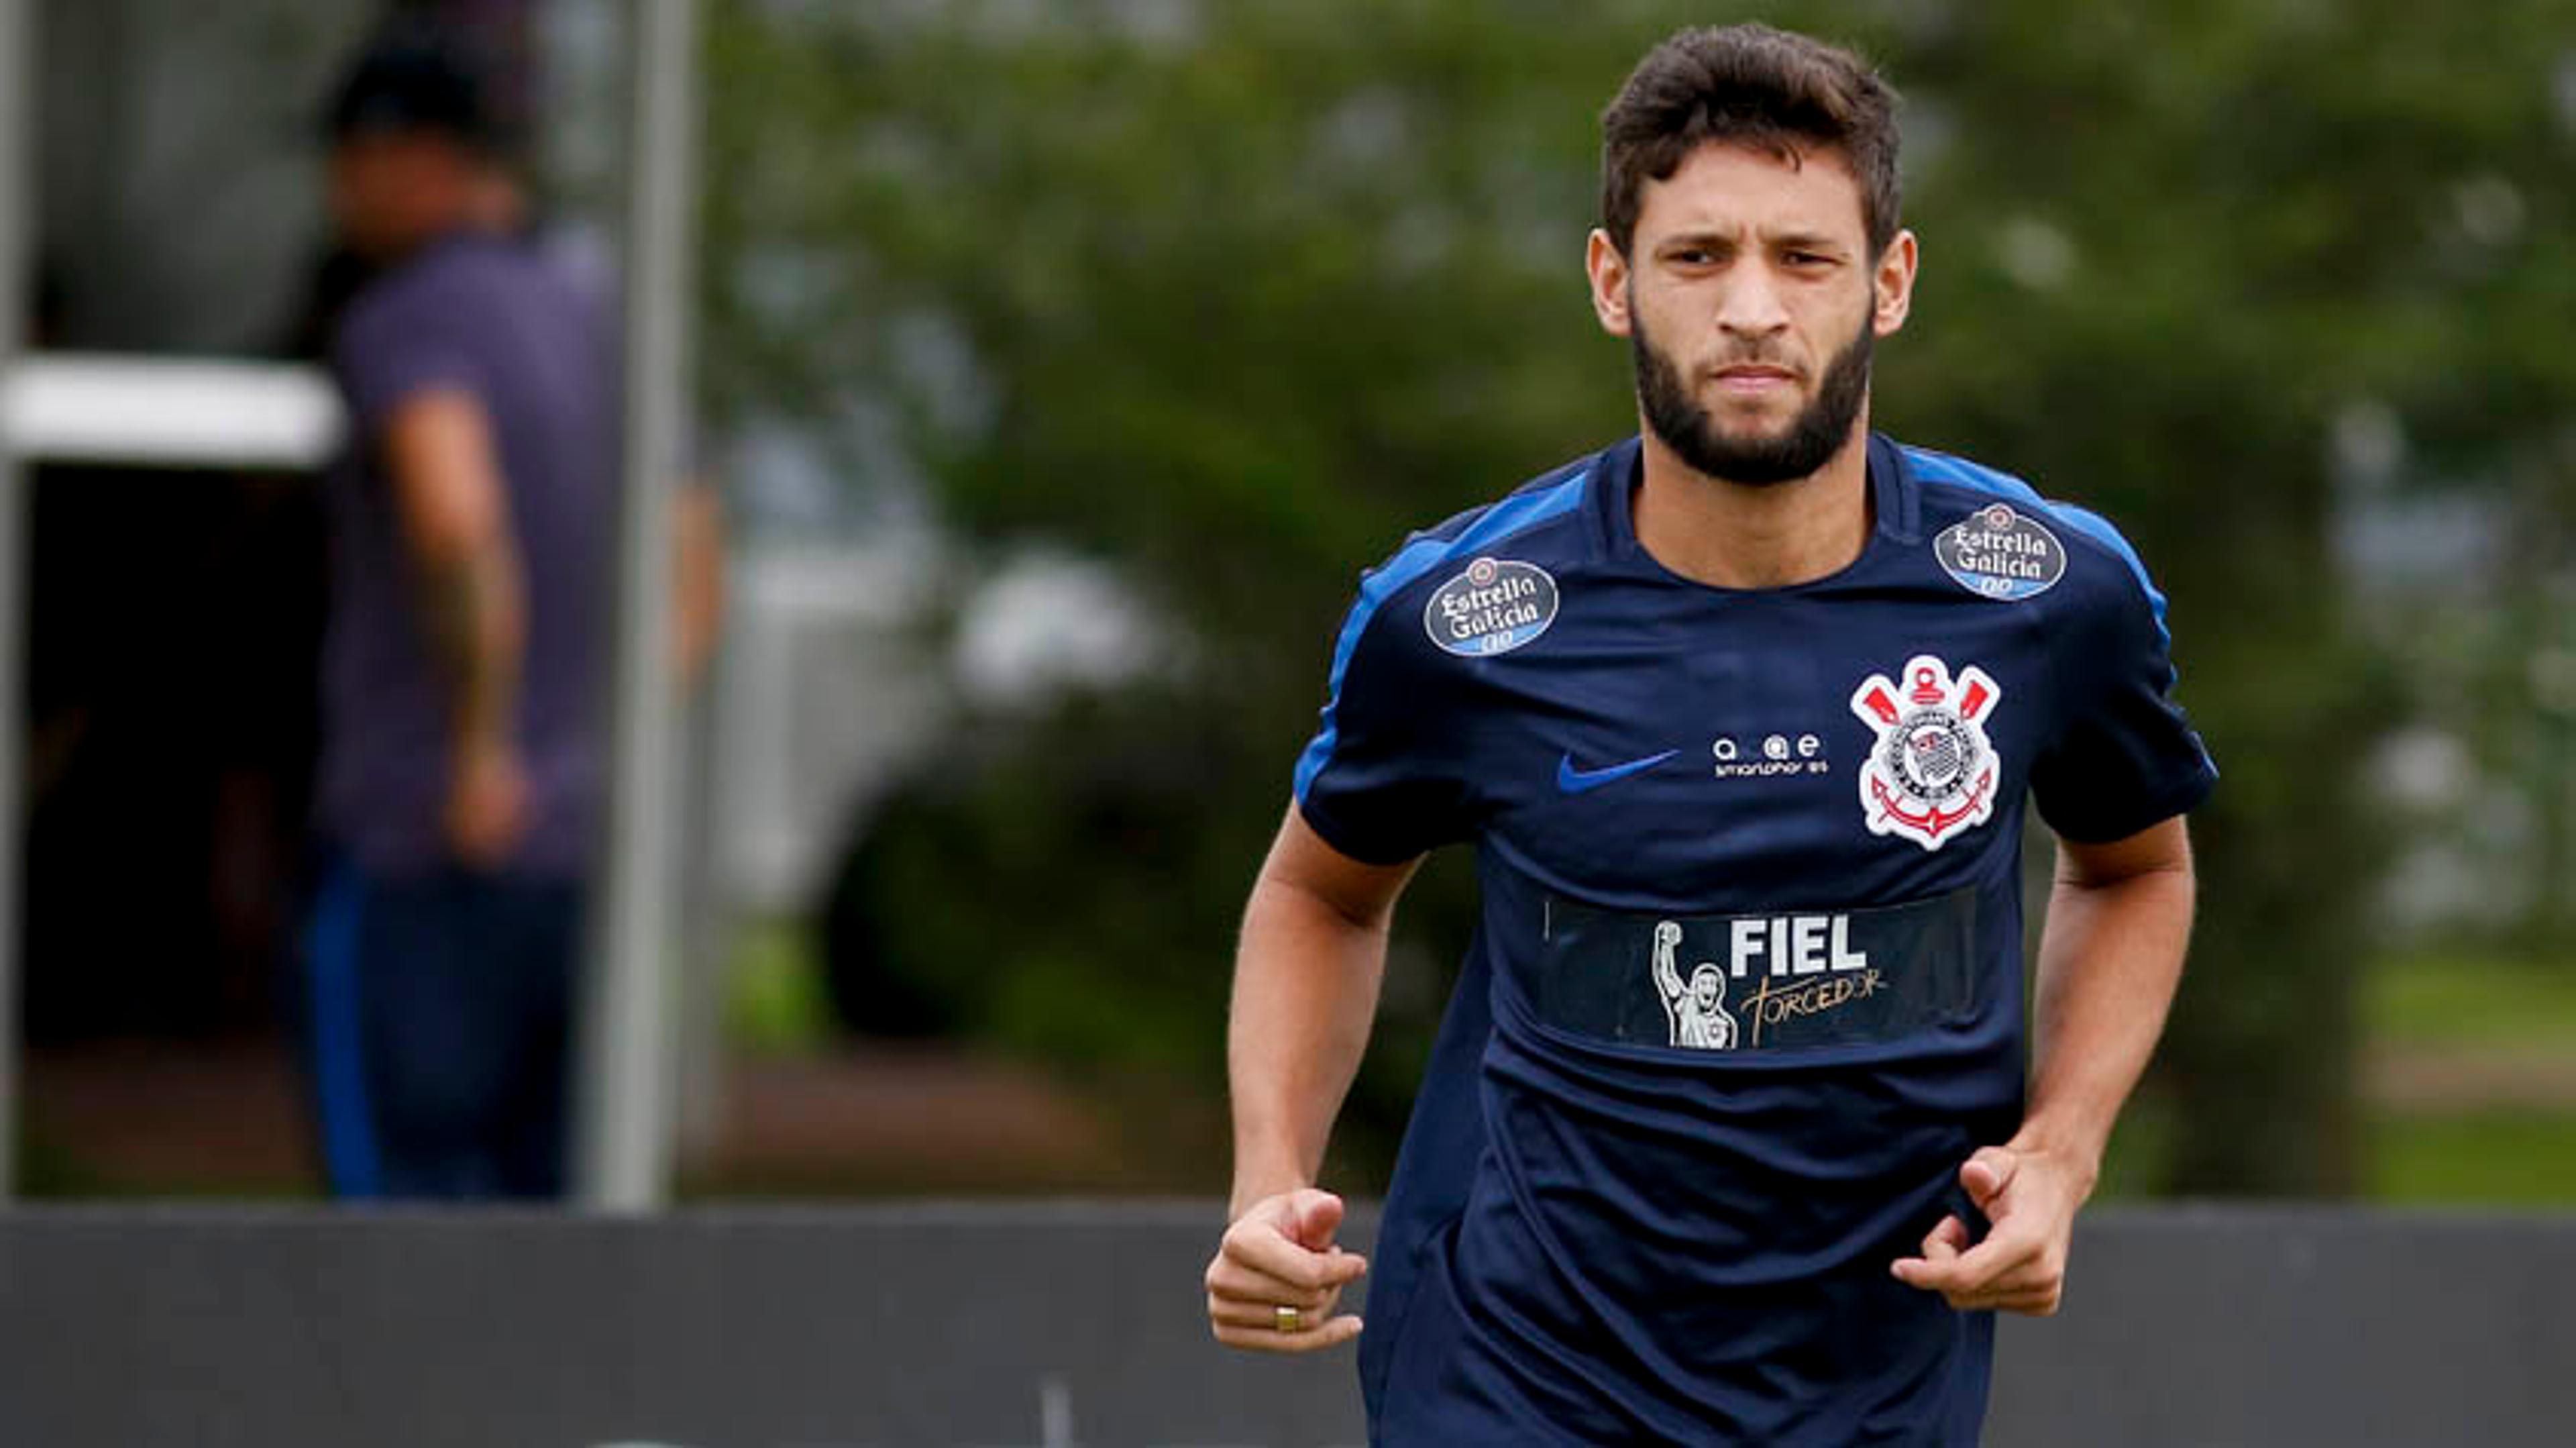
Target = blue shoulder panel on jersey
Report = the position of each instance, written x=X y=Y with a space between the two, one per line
x=1515 y=514
x=1942 y=467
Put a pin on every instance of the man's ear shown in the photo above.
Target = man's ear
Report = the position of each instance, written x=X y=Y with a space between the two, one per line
x=1608 y=269
x=1892 y=284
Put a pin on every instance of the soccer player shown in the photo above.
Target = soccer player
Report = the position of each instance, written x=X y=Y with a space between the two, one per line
x=1785 y=684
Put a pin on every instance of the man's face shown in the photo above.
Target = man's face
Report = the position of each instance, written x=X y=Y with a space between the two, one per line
x=1750 y=300
x=1705 y=987
x=392 y=191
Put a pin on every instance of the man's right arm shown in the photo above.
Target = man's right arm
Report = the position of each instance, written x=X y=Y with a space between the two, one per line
x=1668 y=976
x=1305 y=989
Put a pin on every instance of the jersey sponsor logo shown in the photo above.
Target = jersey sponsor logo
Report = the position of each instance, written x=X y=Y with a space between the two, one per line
x=1570 y=780
x=1995 y=552
x=1775 y=755
x=1933 y=772
x=1727 y=985
x=1798 y=949
x=1494 y=607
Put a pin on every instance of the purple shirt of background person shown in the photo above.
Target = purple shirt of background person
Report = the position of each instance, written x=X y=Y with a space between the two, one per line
x=496 y=317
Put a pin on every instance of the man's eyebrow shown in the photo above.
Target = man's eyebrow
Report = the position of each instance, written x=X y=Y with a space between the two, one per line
x=1711 y=238
x=1804 y=240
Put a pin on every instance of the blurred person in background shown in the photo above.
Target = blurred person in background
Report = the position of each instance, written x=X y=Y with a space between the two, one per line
x=472 y=518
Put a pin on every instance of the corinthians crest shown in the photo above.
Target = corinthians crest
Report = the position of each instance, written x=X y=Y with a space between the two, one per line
x=1932 y=772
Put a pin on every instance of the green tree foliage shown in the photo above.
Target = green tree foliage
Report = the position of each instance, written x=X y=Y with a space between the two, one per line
x=1233 y=295
x=2258 y=218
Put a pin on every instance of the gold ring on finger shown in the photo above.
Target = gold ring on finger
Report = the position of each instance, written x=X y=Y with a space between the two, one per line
x=1287 y=1319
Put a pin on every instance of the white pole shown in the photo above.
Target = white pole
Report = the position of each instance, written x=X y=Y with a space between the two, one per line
x=17 y=125
x=628 y=1036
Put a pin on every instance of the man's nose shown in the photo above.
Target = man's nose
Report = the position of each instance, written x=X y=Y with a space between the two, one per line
x=1752 y=305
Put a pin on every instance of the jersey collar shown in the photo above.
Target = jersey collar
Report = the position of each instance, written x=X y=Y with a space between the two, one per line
x=1896 y=511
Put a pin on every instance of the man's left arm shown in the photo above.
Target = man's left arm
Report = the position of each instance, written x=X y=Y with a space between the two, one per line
x=2109 y=960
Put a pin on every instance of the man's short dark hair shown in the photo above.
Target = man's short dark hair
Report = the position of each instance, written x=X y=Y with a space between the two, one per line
x=417 y=76
x=1748 y=85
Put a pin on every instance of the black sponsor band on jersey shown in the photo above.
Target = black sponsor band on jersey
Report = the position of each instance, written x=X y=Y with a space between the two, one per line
x=1774 y=981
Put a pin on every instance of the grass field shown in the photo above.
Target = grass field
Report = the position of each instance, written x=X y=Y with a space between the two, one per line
x=774 y=998
x=2470 y=1081
x=2518 y=1158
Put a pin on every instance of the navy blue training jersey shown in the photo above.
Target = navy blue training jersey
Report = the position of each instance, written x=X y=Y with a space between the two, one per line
x=1746 y=989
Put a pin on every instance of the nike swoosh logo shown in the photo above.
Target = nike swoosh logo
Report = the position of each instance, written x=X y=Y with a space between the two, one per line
x=1570 y=780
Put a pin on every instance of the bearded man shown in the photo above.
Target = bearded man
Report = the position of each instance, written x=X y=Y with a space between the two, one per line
x=1763 y=675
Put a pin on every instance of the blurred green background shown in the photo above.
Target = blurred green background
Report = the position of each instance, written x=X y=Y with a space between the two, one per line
x=1065 y=362
x=1226 y=297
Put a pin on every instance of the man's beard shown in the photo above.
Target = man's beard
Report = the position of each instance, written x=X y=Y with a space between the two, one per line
x=1808 y=443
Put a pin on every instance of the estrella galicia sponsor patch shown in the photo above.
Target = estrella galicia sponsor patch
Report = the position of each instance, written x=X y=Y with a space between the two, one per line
x=1730 y=985
x=1933 y=772
x=1995 y=552
x=1494 y=607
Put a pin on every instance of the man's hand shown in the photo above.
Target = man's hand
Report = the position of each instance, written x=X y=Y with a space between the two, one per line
x=2029 y=1196
x=1280 y=1253
x=487 y=804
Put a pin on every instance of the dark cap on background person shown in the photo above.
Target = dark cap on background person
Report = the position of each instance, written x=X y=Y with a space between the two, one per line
x=422 y=143
x=414 y=78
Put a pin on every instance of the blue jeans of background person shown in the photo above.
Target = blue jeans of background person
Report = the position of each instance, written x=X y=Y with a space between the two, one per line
x=440 y=1021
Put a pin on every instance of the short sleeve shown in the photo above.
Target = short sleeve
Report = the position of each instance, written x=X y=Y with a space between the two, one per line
x=2125 y=757
x=394 y=346
x=1382 y=780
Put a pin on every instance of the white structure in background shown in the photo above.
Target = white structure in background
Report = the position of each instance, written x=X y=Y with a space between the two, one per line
x=820 y=698
x=156 y=412
x=1047 y=623
x=831 y=687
